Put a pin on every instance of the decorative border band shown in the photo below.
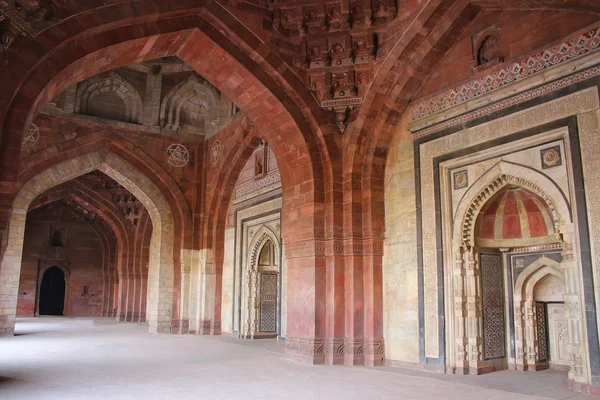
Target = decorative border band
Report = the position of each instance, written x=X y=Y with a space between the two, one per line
x=575 y=47
x=520 y=98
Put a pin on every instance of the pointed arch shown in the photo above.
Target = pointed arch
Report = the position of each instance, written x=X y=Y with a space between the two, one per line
x=260 y=238
x=161 y=276
x=532 y=274
x=115 y=84
x=176 y=101
x=495 y=179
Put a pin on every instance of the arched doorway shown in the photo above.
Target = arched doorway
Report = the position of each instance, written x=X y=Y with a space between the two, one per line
x=262 y=299
x=52 y=292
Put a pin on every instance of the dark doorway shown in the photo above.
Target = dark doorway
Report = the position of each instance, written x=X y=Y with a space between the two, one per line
x=52 y=292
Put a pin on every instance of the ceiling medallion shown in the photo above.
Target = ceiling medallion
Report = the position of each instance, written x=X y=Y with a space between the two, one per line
x=215 y=152
x=32 y=135
x=178 y=155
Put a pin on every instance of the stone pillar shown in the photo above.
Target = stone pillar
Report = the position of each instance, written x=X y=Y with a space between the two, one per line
x=520 y=342
x=10 y=271
x=374 y=350
x=122 y=297
x=152 y=97
x=306 y=301
x=195 y=292
x=209 y=324
x=334 y=341
x=460 y=311
x=474 y=311
x=143 y=296
x=184 y=305
x=354 y=306
x=69 y=100
x=531 y=352
x=573 y=301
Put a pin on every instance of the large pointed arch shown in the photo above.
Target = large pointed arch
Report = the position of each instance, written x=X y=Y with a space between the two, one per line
x=161 y=261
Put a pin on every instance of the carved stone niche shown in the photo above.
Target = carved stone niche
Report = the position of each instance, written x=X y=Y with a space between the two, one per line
x=359 y=17
x=317 y=53
x=383 y=12
x=317 y=85
x=361 y=81
x=487 y=47
x=339 y=54
x=360 y=49
x=286 y=21
x=336 y=21
x=340 y=85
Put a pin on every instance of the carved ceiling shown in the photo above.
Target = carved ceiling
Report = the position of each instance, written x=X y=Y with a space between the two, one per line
x=333 y=45
x=129 y=206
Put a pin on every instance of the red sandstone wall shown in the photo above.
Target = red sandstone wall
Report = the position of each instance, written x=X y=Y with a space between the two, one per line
x=521 y=33
x=83 y=249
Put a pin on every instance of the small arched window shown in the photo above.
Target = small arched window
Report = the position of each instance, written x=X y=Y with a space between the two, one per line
x=57 y=237
x=489 y=50
x=265 y=257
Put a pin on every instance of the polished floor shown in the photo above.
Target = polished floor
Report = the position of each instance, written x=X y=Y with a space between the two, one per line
x=72 y=358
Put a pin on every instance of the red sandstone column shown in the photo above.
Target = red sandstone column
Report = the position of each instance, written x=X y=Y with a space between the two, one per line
x=306 y=301
x=373 y=295
x=354 y=307
x=334 y=342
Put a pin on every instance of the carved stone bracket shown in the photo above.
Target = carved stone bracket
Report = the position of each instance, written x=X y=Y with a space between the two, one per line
x=342 y=109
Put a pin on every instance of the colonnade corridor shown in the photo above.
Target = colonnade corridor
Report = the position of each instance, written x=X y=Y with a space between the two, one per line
x=99 y=358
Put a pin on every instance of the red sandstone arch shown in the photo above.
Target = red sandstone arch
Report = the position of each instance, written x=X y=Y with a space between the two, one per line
x=255 y=84
x=125 y=254
x=107 y=245
x=117 y=145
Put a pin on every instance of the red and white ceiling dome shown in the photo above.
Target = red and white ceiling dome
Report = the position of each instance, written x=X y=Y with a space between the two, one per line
x=515 y=217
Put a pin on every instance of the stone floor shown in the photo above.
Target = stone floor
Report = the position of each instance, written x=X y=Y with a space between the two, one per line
x=66 y=358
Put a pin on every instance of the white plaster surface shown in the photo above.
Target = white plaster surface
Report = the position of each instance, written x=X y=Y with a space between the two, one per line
x=66 y=358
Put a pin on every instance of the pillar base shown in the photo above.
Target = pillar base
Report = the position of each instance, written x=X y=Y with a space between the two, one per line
x=334 y=351
x=305 y=350
x=7 y=325
x=583 y=388
x=210 y=327
x=374 y=353
x=354 y=352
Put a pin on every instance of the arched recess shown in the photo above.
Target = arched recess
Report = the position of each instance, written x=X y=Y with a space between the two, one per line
x=528 y=317
x=496 y=178
x=160 y=286
x=129 y=280
x=118 y=145
x=67 y=274
x=177 y=106
x=110 y=84
x=253 y=280
x=464 y=330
